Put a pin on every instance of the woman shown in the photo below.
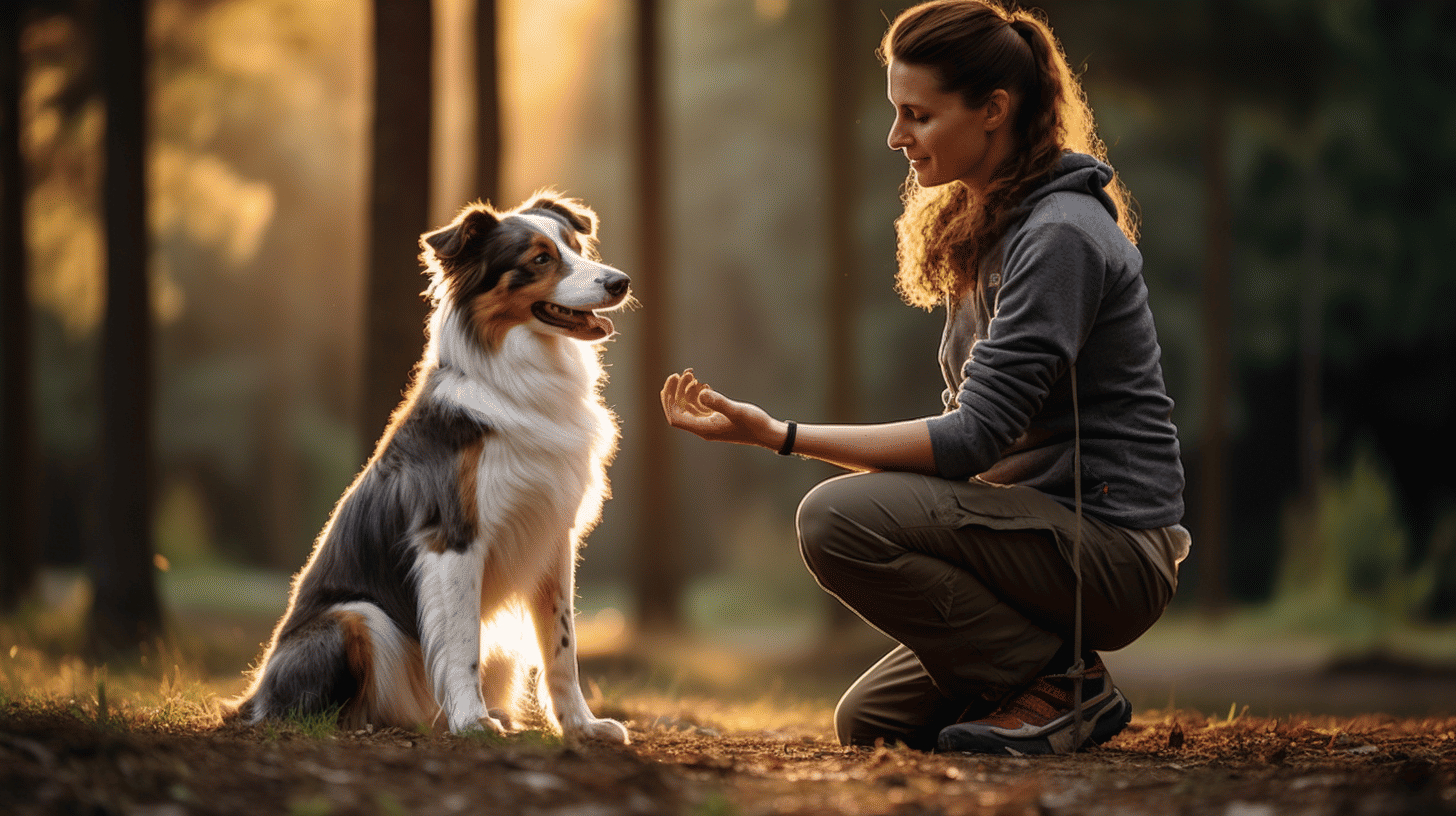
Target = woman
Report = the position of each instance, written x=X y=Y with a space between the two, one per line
x=959 y=533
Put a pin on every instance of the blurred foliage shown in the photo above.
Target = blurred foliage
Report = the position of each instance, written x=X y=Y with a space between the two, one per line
x=1342 y=120
x=1356 y=168
x=1358 y=572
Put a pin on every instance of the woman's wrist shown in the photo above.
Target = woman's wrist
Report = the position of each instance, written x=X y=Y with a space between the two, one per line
x=790 y=431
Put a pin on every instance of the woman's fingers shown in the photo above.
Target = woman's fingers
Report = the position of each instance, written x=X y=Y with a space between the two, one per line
x=692 y=405
x=682 y=397
x=693 y=397
x=669 y=394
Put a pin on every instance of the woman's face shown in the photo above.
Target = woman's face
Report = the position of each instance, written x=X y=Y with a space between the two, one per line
x=943 y=139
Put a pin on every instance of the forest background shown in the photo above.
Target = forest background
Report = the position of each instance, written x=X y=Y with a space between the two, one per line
x=1291 y=161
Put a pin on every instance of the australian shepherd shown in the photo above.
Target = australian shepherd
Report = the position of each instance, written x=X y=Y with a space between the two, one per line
x=476 y=499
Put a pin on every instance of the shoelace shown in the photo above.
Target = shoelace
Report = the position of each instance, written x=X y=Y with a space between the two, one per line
x=1078 y=670
x=1039 y=704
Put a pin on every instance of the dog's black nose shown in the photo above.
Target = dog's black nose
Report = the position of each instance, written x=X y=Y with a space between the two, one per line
x=617 y=284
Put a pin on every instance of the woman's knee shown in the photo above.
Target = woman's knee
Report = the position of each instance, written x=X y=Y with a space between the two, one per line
x=874 y=709
x=856 y=517
x=826 y=522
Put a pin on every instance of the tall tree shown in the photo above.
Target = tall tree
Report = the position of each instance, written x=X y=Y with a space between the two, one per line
x=841 y=283
x=487 y=102
x=19 y=551
x=125 y=611
x=659 y=578
x=1217 y=368
x=399 y=203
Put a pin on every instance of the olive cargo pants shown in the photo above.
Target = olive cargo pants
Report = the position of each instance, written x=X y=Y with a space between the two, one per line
x=975 y=581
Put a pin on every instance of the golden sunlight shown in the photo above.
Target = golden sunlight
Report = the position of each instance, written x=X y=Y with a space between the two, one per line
x=544 y=81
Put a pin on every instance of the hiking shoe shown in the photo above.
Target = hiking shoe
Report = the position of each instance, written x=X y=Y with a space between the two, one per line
x=1039 y=718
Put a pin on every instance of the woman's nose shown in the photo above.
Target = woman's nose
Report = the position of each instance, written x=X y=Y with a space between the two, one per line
x=897 y=138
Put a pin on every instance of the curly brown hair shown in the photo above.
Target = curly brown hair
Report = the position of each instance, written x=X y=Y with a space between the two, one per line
x=976 y=47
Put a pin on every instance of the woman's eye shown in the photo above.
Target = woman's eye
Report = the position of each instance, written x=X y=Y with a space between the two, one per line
x=915 y=117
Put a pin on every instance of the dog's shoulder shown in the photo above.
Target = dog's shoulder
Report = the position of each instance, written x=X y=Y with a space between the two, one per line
x=431 y=429
x=446 y=425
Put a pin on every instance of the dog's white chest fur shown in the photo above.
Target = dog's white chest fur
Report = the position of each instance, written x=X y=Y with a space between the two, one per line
x=540 y=467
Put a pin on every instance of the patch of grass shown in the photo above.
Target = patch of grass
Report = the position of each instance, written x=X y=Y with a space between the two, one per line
x=312 y=806
x=388 y=805
x=314 y=725
x=717 y=804
x=530 y=740
x=126 y=698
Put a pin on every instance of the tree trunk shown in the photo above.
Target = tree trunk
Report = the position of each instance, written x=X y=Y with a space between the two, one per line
x=1217 y=344
x=1304 y=558
x=659 y=579
x=19 y=552
x=841 y=284
x=125 y=611
x=398 y=207
x=487 y=103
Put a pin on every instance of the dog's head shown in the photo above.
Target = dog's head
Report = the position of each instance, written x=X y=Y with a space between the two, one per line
x=534 y=265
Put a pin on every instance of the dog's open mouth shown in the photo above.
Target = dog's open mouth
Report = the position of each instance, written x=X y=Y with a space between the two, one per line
x=580 y=325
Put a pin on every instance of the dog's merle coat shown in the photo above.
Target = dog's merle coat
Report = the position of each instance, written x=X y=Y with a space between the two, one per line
x=477 y=495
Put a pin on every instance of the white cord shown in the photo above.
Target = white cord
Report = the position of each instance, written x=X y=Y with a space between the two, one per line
x=1078 y=669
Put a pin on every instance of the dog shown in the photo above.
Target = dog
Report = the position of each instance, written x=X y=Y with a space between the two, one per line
x=476 y=498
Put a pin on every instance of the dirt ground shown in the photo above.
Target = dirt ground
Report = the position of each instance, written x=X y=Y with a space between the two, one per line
x=712 y=735
x=56 y=761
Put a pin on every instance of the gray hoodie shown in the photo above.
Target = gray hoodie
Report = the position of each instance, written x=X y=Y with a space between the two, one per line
x=1063 y=286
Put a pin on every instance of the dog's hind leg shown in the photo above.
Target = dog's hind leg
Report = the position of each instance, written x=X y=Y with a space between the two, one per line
x=389 y=669
x=306 y=673
x=552 y=611
x=351 y=659
x=449 y=592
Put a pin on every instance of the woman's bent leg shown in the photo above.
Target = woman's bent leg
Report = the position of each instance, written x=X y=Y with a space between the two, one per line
x=895 y=701
x=973 y=580
x=890 y=545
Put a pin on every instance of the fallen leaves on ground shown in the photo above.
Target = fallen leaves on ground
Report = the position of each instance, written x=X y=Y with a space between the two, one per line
x=54 y=761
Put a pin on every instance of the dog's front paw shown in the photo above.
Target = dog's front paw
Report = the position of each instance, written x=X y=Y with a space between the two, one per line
x=486 y=724
x=603 y=730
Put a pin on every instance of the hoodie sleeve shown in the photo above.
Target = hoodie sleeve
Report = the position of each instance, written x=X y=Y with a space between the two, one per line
x=1052 y=282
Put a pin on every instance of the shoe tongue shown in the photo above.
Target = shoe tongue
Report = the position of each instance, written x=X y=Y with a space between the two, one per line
x=1091 y=686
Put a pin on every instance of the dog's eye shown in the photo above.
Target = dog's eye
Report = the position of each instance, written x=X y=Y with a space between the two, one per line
x=542 y=259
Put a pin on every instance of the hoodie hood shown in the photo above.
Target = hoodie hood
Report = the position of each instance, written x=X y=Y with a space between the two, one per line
x=1075 y=173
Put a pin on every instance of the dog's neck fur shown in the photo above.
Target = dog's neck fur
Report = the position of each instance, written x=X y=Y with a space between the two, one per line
x=530 y=374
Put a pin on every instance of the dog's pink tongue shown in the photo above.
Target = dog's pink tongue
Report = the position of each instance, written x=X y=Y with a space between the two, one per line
x=599 y=327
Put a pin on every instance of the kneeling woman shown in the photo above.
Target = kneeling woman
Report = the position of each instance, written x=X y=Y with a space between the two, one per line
x=963 y=536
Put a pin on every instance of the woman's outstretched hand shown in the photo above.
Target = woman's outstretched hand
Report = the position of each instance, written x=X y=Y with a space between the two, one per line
x=695 y=407
x=692 y=405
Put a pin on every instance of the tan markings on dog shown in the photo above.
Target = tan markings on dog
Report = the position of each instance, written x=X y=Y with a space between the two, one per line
x=469 y=468
x=436 y=544
x=419 y=684
x=548 y=596
x=569 y=236
x=539 y=244
x=495 y=313
x=502 y=308
x=359 y=653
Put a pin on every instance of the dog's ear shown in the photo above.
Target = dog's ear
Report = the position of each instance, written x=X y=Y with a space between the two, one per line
x=578 y=215
x=446 y=243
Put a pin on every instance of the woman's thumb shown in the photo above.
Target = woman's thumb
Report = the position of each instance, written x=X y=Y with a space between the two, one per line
x=713 y=399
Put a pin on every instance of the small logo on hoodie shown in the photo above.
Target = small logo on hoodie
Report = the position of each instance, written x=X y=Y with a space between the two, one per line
x=994 y=280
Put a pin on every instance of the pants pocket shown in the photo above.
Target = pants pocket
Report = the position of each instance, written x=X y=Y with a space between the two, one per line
x=929 y=579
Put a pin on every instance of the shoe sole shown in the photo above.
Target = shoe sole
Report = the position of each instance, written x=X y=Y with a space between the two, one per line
x=1106 y=723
